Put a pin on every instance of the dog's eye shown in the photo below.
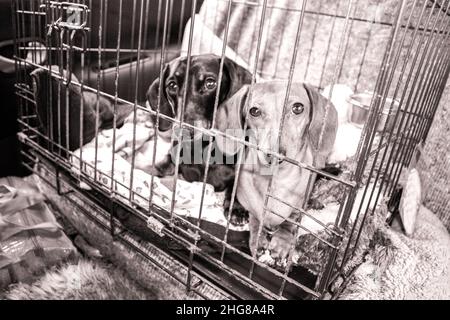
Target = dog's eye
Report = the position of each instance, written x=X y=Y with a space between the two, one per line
x=172 y=87
x=297 y=108
x=210 y=83
x=255 y=112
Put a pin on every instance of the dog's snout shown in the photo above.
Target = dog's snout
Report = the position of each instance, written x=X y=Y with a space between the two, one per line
x=272 y=159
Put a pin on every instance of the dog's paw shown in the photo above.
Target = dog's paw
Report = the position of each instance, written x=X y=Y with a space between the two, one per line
x=163 y=169
x=265 y=257
x=154 y=172
x=238 y=216
x=315 y=204
x=279 y=247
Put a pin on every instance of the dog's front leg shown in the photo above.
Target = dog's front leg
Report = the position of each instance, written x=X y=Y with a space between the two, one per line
x=257 y=247
x=253 y=224
x=239 y=216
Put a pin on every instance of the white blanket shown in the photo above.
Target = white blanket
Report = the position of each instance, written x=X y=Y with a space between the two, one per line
x=98 y=165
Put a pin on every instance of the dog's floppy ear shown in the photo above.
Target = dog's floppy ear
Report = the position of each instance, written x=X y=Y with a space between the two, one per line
x=230 y=120
x=166 y=107
x=320 y=116
x=238 y=76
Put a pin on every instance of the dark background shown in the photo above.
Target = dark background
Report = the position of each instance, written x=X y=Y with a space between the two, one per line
x=9 y=146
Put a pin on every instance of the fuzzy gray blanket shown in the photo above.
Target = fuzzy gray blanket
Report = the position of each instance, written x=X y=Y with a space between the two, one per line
x=396 y=267
x=402 y=267
x=86 y=280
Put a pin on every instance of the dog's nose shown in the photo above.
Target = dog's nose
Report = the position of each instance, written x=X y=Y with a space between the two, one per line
x=271 y=159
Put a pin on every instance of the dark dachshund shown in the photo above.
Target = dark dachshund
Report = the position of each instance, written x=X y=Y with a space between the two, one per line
x=199 y=97
x=66 y=113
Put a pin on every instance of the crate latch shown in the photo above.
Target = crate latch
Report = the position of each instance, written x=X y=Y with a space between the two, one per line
x=66 y=15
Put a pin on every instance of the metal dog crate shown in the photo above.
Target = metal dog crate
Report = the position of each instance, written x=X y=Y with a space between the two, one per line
x=399 y=50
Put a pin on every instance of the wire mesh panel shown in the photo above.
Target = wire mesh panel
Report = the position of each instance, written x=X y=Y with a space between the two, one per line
x=256 y=141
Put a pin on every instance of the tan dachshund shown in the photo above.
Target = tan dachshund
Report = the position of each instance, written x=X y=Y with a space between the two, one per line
x=301 y=139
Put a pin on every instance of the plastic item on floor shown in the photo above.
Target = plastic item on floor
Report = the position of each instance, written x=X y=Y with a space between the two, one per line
x=31 y=240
